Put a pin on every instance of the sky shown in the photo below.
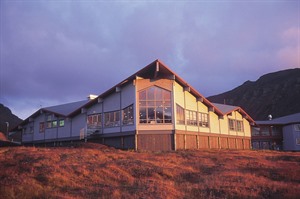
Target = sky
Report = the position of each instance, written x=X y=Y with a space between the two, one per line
x=55 y=52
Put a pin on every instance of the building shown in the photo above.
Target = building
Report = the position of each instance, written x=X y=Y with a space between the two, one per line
x=282 y=133
x=153 y=109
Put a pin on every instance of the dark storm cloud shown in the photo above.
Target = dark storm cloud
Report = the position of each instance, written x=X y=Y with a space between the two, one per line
x=61 y=51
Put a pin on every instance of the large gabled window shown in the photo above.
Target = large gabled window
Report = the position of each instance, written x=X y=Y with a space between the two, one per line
x=155 y=106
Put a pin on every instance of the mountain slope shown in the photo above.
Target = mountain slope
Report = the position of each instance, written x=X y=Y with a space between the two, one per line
x=275 y=93
x=7 y=116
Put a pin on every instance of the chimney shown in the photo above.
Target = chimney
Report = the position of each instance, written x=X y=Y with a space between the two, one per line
x=91 y=97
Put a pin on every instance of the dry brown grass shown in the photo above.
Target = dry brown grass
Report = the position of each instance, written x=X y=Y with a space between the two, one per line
x=97 y=171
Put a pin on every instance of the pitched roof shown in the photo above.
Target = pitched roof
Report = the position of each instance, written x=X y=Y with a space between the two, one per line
x=227 y=109
x=62 y=110
x=65 y=109
x=288 y=119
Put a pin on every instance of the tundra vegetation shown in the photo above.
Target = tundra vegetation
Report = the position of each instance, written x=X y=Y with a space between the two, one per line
x=89 y=170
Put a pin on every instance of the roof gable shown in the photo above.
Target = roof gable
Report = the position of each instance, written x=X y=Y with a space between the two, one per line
x=227 y=109
x=156 y=69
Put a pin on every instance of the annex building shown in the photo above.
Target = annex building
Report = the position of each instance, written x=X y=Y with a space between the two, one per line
x=153 y=109
x=281 y=133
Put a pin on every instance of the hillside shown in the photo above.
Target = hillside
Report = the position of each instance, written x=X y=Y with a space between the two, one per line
x=96 y=171
x=275 y=93
x=7 y=116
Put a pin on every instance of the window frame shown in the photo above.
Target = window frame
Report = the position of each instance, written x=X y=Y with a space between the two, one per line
x=155 y=106
x=128 y=115
x=232 y=125
x=191 y=117
x=203 y=119
x=61 y=123
x=42 y=127
x=94 y=120
x=297 y=127
x=113 y=119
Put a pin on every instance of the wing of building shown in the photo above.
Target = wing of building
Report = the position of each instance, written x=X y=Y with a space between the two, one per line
x=280 y=133
x=153 y=109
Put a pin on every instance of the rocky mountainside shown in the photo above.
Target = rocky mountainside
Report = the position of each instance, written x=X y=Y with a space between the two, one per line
x=275 y=93
x=7 y=116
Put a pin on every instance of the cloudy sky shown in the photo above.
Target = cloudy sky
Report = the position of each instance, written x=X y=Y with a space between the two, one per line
x=56 y=52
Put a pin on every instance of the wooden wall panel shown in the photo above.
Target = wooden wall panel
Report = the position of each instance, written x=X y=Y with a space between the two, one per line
x=231 y=143
x=155 y=142
x=203 y=142
x=239 y=143
x=224 y=143
x=179 y=141
x=247 y=144
x=214 y=142
x=191 y=142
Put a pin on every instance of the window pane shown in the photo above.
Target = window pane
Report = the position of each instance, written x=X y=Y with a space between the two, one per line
x=142 y=103
x=151 y=103
x=159 y=115
x=49 y=124
x=54 y=124
x=143 y=118
x=150 y=93
x=159 y=94
x=168 y=115
x=151 y=115
x=61 y=122
x=167 y=95
x=142 y=95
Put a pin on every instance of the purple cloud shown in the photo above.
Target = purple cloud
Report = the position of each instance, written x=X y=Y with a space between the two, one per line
x=57 y=52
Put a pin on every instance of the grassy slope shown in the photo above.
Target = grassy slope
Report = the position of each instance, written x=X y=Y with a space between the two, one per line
x=96 y=171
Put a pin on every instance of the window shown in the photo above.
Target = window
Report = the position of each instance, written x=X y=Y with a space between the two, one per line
x=236 y=125
x=203 y=119
x=61 y=122
x=276 y=130
x=49 y=117
x=54 y=123
x=240 y=126
x=297 y=127
x=31 y=130
x=112 y=119
x=49 y=124
x=42 y=127
x=191 y=117
x=265 y=130
x=180 y=115
x=231 y=125
x=127 y=115
x=94 y=120
x=298 y=141
x=155 y=106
